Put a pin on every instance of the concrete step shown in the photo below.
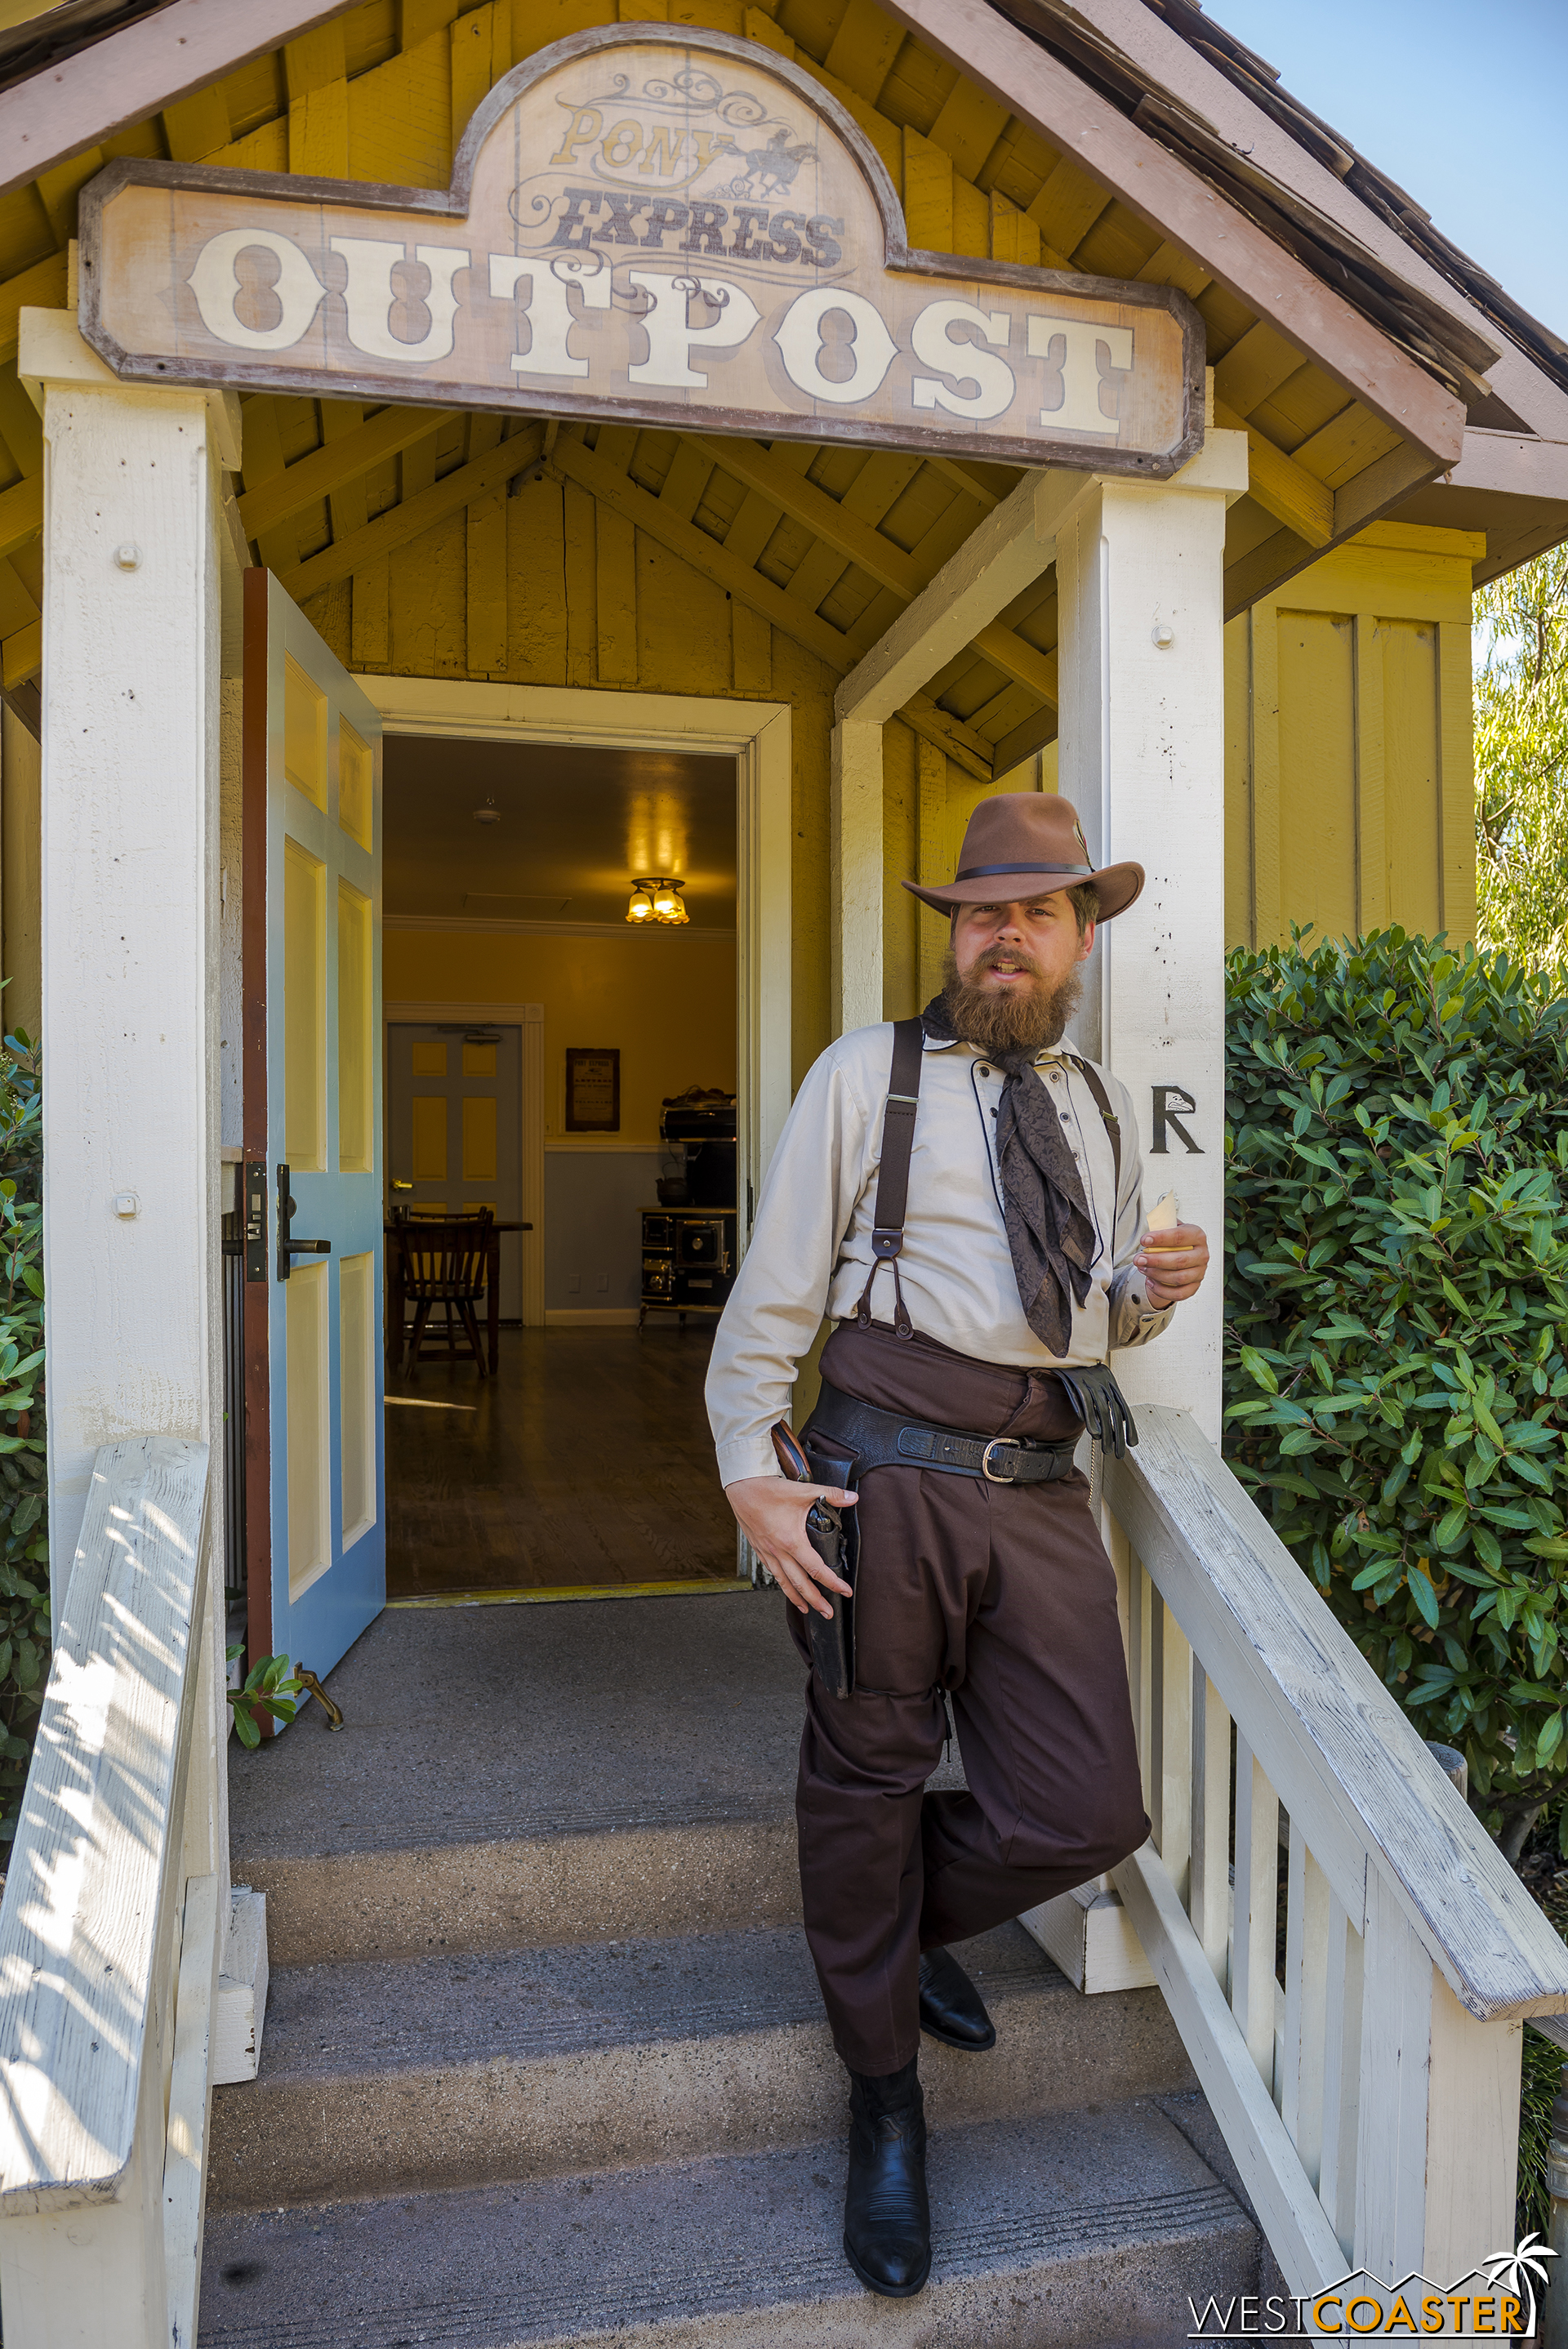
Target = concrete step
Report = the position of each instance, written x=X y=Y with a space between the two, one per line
x=660 y=1868
x=458 y=2069
x=513 y=1776
x=1086 y=2228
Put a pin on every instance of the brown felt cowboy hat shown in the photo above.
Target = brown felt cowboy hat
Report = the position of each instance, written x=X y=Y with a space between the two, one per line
x=1023 y=844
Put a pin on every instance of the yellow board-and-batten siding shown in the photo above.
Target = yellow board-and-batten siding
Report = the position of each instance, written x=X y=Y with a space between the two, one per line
x=1350 y=759
x=424 y=541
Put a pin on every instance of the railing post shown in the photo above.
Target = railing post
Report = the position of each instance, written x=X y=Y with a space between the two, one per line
x=1440 y=2112
x=1555 y=2319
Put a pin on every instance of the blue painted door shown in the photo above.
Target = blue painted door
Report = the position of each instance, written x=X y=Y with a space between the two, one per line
x=323 y=1120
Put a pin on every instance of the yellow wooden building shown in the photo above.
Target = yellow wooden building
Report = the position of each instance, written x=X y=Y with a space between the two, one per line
x=385 y=528
x=451 y=545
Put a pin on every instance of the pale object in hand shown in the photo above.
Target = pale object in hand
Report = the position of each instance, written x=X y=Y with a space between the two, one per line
x=1164 y=1216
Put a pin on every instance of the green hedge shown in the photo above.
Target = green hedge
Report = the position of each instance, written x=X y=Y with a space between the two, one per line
x=1397 y=1326
x=23 y=1541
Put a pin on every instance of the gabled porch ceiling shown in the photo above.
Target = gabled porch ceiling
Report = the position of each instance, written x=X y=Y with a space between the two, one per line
x=1350 y=368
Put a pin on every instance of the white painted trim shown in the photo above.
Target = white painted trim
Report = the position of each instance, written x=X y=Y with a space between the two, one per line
x=241 y=2010
x=497 y=925
x=528 y=1018
x=757 y=735
x=612 y=1317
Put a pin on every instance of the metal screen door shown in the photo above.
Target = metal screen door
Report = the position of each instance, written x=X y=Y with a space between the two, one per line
x=313 y=1288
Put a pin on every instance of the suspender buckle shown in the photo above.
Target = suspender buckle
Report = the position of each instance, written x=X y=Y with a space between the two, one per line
x=994 y=1475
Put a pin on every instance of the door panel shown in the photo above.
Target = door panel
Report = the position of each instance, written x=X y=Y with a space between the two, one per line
x=313 y=978
x=455 y=1130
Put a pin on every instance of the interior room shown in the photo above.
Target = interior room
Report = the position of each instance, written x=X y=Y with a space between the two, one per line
x=559 y=984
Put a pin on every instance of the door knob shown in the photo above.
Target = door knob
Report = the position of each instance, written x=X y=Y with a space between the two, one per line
x=288 y=1246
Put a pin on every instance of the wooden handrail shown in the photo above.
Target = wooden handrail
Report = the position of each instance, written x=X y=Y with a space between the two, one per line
x=1352 y=1770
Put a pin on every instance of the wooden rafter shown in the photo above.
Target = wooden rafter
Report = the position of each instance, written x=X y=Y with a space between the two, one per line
x=839 y=650
x=616 y=490
x=415 y=515
x=335 y=465
x=761 y=470
x=1281 y=486
x=21 y=513
x=63 y=111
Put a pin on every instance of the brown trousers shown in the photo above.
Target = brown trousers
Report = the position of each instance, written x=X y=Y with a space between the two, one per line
x=1003 y=1597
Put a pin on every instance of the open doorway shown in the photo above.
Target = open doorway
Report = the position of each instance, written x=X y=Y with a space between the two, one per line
x=577 y=1072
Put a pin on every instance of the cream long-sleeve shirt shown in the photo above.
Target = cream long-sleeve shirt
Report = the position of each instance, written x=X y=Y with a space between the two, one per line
x=811 y=1244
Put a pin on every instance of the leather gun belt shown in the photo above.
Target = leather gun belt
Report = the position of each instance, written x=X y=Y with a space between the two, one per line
x=887 y=1439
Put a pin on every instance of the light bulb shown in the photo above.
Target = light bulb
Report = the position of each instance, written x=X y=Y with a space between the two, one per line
x=639 y=909
x=667 y=904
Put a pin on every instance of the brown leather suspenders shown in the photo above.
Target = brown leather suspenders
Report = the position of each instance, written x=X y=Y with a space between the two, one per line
x=892 y=1172
x=1112 y=1124
x=898 y=1142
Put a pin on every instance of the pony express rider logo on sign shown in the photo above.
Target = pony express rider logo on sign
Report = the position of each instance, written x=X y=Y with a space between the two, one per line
x=673 y=227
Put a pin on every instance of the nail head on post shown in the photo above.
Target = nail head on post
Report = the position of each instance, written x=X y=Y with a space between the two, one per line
x=1163 y=635
x=128 y=555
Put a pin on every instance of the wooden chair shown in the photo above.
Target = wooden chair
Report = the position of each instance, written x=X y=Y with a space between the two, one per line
x=445 y=1263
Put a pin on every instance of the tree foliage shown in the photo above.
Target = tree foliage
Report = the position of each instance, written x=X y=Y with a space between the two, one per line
x=1522 y=764
x=1396 y=1312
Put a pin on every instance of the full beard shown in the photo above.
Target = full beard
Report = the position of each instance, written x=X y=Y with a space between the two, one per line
x=1009 y=1021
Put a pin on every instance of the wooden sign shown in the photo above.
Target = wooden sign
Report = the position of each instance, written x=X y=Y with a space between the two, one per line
x=651 y=224
x=592 y=1090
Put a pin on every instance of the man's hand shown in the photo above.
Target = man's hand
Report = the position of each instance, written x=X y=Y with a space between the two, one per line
x=772 y=1513
x=1174 y=1264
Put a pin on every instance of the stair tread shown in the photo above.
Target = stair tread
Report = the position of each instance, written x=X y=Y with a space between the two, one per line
x=525 y=1728
x=1092 y=2208
x=466 y=2007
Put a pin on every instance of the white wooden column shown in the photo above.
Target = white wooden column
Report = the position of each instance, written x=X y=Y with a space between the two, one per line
x=129 y=854
x=1141 y=666
x=855 y=874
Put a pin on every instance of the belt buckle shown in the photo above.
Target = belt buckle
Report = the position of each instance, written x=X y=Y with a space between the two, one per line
x=996 y=1444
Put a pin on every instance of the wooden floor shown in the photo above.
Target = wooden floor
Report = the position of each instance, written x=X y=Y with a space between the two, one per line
x=586 y=1461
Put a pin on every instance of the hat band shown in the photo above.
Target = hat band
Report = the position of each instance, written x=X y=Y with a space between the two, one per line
x=989 y=872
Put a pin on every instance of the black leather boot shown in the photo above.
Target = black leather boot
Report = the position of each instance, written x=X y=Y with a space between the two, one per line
x=887 y=2219
x=951 y=2008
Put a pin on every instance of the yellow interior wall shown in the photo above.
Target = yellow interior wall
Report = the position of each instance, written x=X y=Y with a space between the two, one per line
x=667 y=1002
x=1349 y=760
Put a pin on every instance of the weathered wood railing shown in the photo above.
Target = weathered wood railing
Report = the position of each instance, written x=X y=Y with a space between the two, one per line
x=1368 y=2086
x=109 y=1933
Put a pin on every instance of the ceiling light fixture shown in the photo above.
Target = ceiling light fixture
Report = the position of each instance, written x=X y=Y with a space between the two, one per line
x=658 y=899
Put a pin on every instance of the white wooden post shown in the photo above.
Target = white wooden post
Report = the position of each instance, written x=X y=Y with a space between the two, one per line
x=1141 y=666
x=134 y=545
x=855 y=815
x=130 y=829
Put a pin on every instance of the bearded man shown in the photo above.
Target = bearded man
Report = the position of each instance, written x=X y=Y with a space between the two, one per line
x=989 y=1180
